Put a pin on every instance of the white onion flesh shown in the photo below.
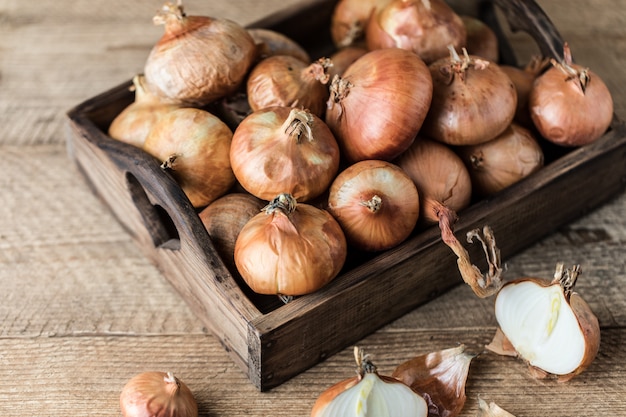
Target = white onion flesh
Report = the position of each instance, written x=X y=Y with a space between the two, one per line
x=545 y=331
x=373 y=397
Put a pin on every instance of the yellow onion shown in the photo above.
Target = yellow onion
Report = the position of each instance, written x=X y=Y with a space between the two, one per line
x=523 y=80
x=369 y=394
x=157 y=394
x=135 y=121
x=547 y=324
x=349 y=20
x=194 y=145
x=376 y=204
x=286 y=81
x=283 y=149
x=378 y=106
x=473 y=100
x=425 y=27
x=290 y=248
x=270 y=43
x=199 y=58
x=503 y=161
x=570 y=105
x=481 y=39
x=343 y=58
x=440 y=377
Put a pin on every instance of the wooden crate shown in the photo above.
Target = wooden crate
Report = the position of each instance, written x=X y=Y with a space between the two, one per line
x=270 y=341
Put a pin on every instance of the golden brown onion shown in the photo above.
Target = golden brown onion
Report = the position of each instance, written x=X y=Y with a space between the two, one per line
x=270 y=43
x=349 y=19
x=481 y=39
x=157 y=394
x=343 y=58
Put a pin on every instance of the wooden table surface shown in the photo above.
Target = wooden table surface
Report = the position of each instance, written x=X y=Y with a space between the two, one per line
x=82 y=311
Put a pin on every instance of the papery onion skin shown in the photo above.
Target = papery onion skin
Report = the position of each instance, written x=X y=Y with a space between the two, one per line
x=194 y=146
x=503 y=161
x=349 y=20
x=378 y=106
x=481 y=39
x=157 y=394
x=440 y=175
x=199 y=59
x=286 y=81
x=423 y=27
x=473 y=101
x=270 y=42
x=376 y=203
x=560 y=297
x=565 y=110
x=491 y=410
x=273 y=151
x=290 y=252
x=225 y=217
x=134 y=123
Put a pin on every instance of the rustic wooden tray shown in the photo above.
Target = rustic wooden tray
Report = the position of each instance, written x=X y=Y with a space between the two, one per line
x=271 y=341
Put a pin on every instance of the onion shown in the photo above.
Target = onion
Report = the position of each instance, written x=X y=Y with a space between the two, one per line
x=199 y=58
x=503 y=161
x=290 y=249
x=376 y=204
x=547 y=324
x=343 y=58
x=473 y=100
x=349 y=19
x=280 y=149
x=481 y=39
x=369 y=394
x=444 y=186
x=425 y=27
x=570 y=105
x=378 y=106
x=270 y=43
x=194 y=145
x=283 y=80
x=491 y=410
x=440 y=377
x=157 y=394
x=133 y=124
x=225 y=217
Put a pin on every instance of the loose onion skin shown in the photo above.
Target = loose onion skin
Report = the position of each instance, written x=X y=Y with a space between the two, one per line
x=547 y=324
x=194 y=145
x=280 y=149
x=290 y=249
x=425 y=27
x=133 y=124
x=225 y=217
x=378 y=106
x=217 y=54
x=503 y=161
x=481 y=39
x=157 y=394
x=283 y=80
x=473 y=100
x=376 y=204
x=570 y=105
x=349 y=20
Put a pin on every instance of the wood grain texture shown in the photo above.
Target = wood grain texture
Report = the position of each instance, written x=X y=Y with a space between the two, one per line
x=82 y=309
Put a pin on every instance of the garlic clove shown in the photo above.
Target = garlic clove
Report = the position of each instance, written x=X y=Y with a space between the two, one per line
x=491 y=410
x=548 y=325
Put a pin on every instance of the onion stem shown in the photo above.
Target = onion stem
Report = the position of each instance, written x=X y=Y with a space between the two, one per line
x=298 y=122
x=373 y=204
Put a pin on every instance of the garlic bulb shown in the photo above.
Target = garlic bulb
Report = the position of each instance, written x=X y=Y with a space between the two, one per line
x=491 y=410
x=369 y=395
x=547 y=324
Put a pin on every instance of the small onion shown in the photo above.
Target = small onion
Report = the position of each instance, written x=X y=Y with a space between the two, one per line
x=199 y=58
x=503 y=161
x=425 y=27
x=349 y=19
x=133 y=124
x=194 y=145
x=547 y=324
x=376 y=204
x=570 y=105
x=225 y=217
x=283 y=80
x=481 y=39
x=473 y=100
x=378 y=106
x=369 y=394
x=157 y=394
x=290 y=249
x=270 y=43
x=282 y=149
